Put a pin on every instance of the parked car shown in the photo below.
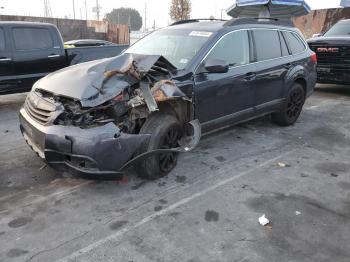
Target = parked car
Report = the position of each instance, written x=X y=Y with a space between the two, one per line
x=30 y=51
x=87 y=42
x=145 y=106
x=333 y=52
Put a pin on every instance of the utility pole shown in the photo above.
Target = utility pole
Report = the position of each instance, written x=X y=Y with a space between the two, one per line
x=74 y=9
x=222 y=10
x=145 y=17
x=86 y=15
x=47 y=9
x=97 y=10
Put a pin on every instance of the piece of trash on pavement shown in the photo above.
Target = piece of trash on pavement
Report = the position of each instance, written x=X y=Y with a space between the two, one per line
x=297 y=213
x=263 y=220
x=43 y=167
x=281 y=164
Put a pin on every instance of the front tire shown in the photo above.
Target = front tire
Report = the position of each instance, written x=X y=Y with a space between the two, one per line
x=165 y=131
x=292 y=107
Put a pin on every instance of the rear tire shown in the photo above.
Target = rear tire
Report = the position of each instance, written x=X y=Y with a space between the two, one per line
x=291 y=108
x=165 y=131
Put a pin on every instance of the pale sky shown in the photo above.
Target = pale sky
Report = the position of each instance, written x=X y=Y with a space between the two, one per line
x=157 y=10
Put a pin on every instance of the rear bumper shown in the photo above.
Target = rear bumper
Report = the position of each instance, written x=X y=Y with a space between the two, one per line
x=333 y=74
x=99 y=152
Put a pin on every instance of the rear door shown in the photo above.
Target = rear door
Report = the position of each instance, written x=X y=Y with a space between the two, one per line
x=271 y=67
x=221 y=96
x=8 y=80
x=37 y=52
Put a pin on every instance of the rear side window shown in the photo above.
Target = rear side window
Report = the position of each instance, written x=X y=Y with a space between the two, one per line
x=32 y=38
x=296 y=46
x=2 y=39
x=267 y=43
x=232 y=48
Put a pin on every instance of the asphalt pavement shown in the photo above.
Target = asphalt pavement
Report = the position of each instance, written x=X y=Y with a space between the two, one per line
x=207 y=209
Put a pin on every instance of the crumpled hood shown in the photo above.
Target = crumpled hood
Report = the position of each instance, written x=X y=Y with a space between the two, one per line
x=88 y=84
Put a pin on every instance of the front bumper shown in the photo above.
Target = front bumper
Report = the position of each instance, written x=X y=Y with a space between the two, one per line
x=330 y=74
x=99 y=152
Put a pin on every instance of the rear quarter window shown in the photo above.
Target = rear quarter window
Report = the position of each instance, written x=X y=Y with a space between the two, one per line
x=32 y=38
x=267 y=43
x=295 y=44
x=2 y=39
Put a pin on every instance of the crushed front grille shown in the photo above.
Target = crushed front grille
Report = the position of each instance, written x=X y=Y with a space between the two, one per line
x=40 y=109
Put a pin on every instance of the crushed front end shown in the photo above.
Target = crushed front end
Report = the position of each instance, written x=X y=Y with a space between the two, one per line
x=93 y=128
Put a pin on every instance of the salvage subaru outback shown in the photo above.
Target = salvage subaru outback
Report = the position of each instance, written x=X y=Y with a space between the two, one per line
x=145 y=106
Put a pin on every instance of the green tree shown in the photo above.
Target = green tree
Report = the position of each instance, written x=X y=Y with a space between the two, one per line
x=129 y=16
x=180 y=9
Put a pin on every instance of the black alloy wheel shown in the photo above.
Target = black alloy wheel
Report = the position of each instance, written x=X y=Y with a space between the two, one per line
x=167 y=161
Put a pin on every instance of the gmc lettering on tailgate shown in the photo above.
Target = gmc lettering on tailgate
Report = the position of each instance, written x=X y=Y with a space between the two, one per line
x=327 y=50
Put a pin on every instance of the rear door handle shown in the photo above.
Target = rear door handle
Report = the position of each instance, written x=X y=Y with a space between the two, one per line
x=250 y=76
x=53 y=56
x=5 y=59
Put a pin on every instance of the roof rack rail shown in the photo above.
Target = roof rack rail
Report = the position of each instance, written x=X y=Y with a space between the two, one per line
x=187 y=21
x=259 y=20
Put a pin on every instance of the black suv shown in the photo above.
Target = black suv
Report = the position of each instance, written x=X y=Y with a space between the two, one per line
x=150 y=103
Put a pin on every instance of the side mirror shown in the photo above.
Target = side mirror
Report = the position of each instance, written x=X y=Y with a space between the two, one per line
x=216 y=66
x=316 y=35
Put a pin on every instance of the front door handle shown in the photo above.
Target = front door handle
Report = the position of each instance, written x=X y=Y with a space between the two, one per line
x=250 y=76
x=5 y=59
x=53 y=56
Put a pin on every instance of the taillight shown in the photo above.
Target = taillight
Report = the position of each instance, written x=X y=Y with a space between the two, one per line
x=314 y=57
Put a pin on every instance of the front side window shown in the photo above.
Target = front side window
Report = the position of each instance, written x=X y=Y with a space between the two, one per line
x=296 y=46
x=267 y=43
x=179 y=47
x=32 y=38
x=232 y=48
x=2 y=39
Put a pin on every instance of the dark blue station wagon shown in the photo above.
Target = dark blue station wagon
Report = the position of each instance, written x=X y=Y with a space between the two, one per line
x=152 y=102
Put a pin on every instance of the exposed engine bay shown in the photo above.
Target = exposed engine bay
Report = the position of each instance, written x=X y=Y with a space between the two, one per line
x=148 y=89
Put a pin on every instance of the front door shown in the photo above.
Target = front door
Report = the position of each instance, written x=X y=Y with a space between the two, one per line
x=218 y=96
x=8 y=81
x=37 y=53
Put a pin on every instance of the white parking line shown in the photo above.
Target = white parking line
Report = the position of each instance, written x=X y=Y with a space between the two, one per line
x=149 y=218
